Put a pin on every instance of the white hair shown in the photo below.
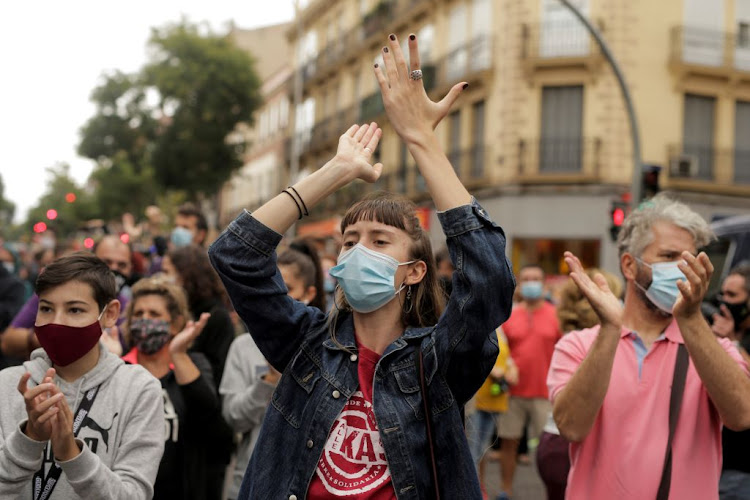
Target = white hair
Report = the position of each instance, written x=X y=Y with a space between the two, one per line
x=635 y=234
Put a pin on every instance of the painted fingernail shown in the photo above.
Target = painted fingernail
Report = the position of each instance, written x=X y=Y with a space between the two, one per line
x=385 y=49
x=376 y=65
x=392 y=36
x=466 y=86
x=412 y=37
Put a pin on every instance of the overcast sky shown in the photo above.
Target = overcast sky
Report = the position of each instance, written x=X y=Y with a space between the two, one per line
x=53 y=54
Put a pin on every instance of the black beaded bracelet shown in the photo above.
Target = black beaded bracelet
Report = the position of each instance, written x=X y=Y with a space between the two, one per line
x=295 y=202
x=300 y=199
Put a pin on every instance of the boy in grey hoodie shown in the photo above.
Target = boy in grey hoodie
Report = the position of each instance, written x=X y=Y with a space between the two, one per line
x=75 y=420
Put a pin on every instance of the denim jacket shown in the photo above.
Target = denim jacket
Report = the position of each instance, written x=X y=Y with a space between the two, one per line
x=319 y=377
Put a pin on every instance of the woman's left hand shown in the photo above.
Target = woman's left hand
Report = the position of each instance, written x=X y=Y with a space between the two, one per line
x=410 y=110
x=183 y=340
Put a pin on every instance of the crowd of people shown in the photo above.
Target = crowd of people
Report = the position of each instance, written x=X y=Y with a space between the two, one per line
x=261 y=368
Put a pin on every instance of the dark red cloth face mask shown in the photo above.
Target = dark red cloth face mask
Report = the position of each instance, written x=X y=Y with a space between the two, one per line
x=66 y=344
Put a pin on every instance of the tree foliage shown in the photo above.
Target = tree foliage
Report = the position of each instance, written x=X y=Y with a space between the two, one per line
x=7 y=208
x=207 y=85
x=69 y=215
x=164 y=129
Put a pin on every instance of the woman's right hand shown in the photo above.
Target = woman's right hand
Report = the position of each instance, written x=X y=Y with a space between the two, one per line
x=355 y=151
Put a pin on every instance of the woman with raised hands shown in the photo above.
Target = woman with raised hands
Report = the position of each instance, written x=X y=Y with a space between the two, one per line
x=348 y=418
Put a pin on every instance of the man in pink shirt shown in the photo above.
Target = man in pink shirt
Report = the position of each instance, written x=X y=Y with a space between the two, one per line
x=610 y=386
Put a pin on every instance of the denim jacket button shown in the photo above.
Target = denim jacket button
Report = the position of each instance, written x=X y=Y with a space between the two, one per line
x=353 y=357
x=336 y=394
x=310 y=443
x=292 y=497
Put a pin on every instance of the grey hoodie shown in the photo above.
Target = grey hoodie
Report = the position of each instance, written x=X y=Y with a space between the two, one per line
x=122 y=437
x=246 y=397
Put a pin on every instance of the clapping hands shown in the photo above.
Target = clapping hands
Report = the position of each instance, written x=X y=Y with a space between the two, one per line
x=606 y=305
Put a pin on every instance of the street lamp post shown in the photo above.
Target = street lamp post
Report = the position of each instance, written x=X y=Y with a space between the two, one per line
x=635 y=187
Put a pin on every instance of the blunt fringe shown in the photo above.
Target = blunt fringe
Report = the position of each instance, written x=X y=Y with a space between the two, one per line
x=396 y=211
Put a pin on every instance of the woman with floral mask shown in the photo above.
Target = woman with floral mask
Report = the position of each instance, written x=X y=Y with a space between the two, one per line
x=157 y=322
x=348 y=415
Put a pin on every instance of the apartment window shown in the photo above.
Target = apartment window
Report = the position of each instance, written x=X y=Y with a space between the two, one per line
x=477 y=151
x=454 y=146
x=284 y=112
x=402 y=171
x=742 y=142
x=561 y=34
x=743 y=34
x=457 y=53
x=561 y=141
x=698 y=133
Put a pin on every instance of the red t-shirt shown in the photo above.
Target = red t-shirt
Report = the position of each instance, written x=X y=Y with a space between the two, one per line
x=532 y=336
x=353 y=463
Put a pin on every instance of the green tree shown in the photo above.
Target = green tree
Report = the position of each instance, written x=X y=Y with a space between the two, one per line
x=69 y=215
x=207 y=85
x=7 y=209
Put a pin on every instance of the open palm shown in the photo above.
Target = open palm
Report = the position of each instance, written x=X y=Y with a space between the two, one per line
x=606 y=305
x=182 y=341
x=355 y=150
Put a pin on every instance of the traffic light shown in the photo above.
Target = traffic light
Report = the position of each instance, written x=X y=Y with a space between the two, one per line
x=649 y=180
x=618 y=213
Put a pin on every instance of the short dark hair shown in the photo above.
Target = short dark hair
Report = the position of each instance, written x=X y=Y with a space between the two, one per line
x=191 y=210
x=83 y=267
x=532 y=266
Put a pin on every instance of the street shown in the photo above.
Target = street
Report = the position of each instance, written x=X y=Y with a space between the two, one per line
x=527 y=484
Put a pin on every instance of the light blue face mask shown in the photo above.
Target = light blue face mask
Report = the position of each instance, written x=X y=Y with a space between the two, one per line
x=532 y=290
x=367 y=278
x=663 y=291
x=181 y=237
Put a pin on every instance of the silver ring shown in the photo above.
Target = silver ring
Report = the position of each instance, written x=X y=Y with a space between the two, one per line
x=416 y=74
x=368 y=150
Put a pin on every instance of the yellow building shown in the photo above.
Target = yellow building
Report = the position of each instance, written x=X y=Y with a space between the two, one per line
x=265 y=159
x=541 y=136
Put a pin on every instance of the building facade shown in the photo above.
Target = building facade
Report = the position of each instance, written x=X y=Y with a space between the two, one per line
x=541 y=136
x=265 y=167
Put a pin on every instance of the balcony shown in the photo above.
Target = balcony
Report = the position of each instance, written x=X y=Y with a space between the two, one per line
x=709 y=169
x=466 y=62
x=326 y=132
x=557 y=45
x=371 y=107
x=562 y=159
x=703 y=52
x=387 y=16
x=470 y=164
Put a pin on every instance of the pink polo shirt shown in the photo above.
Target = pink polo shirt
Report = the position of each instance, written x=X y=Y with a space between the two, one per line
x=623 y=455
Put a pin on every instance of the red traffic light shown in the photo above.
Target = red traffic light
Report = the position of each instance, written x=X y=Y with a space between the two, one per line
x=618 y=216
x=40 y=227
x=52 y=214
x=70 y=197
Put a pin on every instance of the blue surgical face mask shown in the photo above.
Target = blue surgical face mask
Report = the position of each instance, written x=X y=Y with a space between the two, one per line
x=181 y=237
x=531 y=290
x=663 y=291
x=367 y=278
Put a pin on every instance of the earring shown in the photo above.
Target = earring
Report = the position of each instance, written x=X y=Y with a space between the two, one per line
x=408 y=304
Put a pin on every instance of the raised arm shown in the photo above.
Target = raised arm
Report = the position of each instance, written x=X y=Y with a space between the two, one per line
x=726 y=379
x=575 y=407
x=414 y=116
x=352 y=161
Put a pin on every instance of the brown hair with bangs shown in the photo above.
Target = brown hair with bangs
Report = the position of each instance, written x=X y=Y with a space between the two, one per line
x=401 y=213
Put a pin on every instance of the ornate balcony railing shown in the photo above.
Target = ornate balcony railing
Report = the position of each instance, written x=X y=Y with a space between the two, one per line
x=563 y=155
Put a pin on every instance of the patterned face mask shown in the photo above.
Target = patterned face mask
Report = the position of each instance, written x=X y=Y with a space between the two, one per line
x=149 y=335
